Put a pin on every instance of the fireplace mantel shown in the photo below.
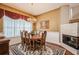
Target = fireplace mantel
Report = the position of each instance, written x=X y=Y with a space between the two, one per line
x=74 y=20
x=70 y=29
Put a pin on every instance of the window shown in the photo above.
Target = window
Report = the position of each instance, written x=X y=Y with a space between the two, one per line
x=13 y=27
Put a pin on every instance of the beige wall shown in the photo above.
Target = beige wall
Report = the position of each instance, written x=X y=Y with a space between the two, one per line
x=1 y=25
x=54 y=20
x=75 y=12
x=65 y=14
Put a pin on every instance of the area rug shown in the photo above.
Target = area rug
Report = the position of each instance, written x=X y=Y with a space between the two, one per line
x=16 y=49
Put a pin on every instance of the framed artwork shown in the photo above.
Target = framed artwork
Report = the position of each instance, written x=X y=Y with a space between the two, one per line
x=44 y=24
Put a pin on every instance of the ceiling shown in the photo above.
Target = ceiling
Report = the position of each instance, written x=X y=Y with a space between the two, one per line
x=35 y=8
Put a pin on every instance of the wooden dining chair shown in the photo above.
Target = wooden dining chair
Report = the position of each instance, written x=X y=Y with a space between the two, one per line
x=22 y=39
x=27 y=41
x=43 y=40
x=44 y=37
x=41 y=43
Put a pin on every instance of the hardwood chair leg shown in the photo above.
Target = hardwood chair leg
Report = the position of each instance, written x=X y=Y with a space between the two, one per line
x=25 y=48
x=44 y=48
x=22 y=45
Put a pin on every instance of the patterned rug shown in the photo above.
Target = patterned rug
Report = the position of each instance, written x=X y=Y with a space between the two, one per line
x=16 y=49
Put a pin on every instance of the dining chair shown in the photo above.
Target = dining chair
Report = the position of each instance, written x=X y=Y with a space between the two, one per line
x=22 y=39
x=43 y=40
x=27 y=41
x=41 y=44
x=44 y=37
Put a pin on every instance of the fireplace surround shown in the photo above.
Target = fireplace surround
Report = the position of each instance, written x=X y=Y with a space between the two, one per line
x=70 y=37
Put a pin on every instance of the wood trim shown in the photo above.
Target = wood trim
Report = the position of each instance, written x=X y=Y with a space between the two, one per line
x=74 y=21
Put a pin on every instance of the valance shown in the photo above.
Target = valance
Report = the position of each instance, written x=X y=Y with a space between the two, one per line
x=1 y=13
x=23 y=17
x=12 y=15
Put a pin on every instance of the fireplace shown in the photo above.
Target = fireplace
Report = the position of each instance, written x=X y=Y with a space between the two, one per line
x=70 y=37
x=72 y=41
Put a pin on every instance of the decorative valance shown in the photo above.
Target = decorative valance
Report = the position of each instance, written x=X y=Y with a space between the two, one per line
x=1 y=13
x=12 y=15
x=23 y=17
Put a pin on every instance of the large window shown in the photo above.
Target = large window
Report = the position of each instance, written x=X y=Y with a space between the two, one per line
x=13 y=27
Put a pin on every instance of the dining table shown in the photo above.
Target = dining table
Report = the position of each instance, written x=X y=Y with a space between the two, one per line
x=34 y=39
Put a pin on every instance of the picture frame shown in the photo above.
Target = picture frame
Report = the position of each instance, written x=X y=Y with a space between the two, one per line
x=44 y=24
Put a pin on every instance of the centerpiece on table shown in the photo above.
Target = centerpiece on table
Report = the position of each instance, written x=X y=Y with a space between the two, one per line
x=33 y=33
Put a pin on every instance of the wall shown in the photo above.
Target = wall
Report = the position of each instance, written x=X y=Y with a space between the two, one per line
x=12 y=10
x=34 y=26
x=1 y=25
x=54 y=20
x=65 y=14
x=75 y=12
x=53 y=37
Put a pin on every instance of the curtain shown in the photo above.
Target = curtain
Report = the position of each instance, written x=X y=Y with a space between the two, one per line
x=14 y=16
x=1 y=13
x=13 y=27
x=13 y=23
x=23 y=17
